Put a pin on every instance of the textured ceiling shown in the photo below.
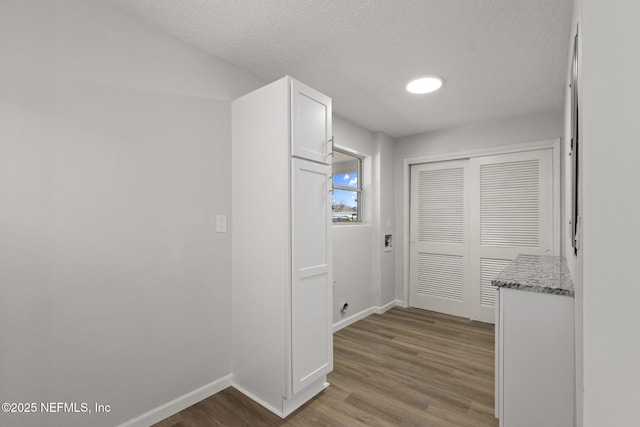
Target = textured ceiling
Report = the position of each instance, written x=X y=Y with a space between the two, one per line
x=498 y=58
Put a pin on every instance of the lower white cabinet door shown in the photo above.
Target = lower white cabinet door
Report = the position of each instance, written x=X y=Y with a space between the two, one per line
x=311 y=331
x=535 y=376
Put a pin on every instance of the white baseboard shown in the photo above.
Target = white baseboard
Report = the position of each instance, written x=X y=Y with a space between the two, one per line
x=178 y=404
x=388 y=306
x=364 y=313
x=288 y=405
x=352 y=319
x=275 y=410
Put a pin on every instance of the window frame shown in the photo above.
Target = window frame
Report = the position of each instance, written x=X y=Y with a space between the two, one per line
x=357 y=189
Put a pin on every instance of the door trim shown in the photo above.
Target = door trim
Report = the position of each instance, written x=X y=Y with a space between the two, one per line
x=553 y=144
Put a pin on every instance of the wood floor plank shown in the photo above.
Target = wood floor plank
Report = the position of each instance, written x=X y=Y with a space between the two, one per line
x=406 y=367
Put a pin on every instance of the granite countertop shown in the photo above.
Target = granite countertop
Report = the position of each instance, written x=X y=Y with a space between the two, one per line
x=537 y=273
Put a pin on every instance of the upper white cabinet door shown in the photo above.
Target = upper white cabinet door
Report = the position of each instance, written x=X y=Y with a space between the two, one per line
x=310 y=124
x=311 y=316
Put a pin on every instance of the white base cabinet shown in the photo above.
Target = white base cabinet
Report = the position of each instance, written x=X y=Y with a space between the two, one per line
x=282 y=343
x=534 y=359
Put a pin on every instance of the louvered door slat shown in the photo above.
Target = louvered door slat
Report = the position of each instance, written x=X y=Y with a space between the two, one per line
x=489 y=269
x=509 y=204
x=441 y=206
x=441 y=276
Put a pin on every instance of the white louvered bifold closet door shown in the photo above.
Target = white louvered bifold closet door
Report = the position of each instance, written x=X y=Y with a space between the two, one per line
x=511 y=209
x=439 y=226
x=469 y=219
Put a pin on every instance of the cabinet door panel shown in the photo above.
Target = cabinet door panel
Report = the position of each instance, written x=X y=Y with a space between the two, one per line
x=311 y=334
x=536 y=365
x=310 y=123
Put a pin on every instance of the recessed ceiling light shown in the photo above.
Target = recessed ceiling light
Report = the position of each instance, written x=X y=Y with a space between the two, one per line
x=424 y=84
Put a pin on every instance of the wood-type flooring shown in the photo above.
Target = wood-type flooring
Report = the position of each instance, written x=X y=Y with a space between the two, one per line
x=406 y=367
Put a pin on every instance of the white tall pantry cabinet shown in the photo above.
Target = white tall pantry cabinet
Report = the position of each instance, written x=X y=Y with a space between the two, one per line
x=282 y=342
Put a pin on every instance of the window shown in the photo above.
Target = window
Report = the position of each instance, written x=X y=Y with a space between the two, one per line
x=346 y=202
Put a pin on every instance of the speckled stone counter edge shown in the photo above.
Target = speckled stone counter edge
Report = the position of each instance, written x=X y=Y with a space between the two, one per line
x=537 y=273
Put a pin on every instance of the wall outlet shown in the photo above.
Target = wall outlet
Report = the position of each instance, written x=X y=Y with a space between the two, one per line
x=221 y=223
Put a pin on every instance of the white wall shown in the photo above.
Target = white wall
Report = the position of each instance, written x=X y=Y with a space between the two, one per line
x=470 y=137
x=363 y=273
x=385 y=293
x=114 y=160
x=352 y=243
x=611 y=155
x=574 y=260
